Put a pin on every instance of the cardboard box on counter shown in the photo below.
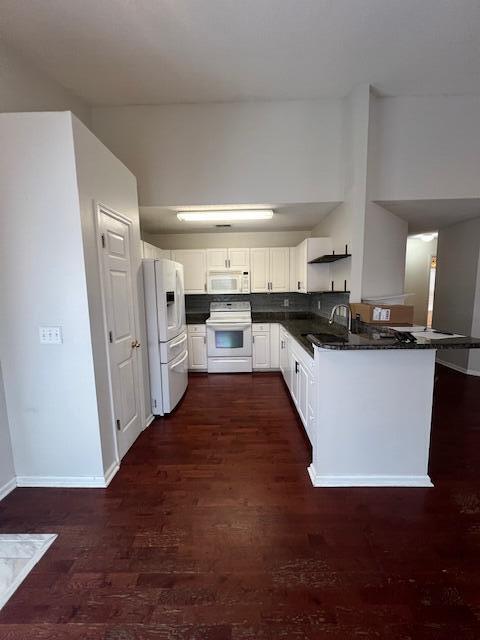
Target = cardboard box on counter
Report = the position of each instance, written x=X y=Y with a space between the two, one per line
x=383 y=314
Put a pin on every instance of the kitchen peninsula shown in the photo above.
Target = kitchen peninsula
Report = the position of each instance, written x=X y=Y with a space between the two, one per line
x=365 y=399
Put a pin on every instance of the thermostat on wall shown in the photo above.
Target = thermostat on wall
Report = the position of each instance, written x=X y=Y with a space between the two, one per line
x=50 y=335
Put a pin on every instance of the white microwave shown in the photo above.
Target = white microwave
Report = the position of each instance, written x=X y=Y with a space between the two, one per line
x=228 y=282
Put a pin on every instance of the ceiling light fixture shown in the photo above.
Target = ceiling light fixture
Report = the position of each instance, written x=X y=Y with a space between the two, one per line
x=428 y=237
x=225 y=215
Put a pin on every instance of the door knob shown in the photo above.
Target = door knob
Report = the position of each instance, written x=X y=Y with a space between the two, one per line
x=135 y=344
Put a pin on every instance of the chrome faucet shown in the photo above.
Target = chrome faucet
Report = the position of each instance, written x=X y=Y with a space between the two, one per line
x=349 y=315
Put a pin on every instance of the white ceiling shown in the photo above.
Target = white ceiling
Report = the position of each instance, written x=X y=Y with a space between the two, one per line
x=292 y=217
x=430 y=215
x=115 y=52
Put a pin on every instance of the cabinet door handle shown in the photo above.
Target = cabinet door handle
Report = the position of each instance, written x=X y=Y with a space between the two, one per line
x=229 y=263
x=253 y=339
x=298 y=284
x=204 y=339
x=296 y=367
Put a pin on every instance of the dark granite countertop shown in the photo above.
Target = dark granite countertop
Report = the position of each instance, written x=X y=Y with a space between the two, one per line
x=197 y=317
x=309 y=329
x=373 y=341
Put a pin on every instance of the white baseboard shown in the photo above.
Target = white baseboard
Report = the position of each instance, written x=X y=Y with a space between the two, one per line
x=149 y=420
x=367 y=481
x=456 y=367
x=7 y=488
x=85 y=482
x=110 y=473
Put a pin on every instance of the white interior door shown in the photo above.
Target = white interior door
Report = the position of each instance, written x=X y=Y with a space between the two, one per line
x=123 y=345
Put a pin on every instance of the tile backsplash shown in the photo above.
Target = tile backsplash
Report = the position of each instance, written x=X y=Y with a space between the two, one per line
x=319 y=303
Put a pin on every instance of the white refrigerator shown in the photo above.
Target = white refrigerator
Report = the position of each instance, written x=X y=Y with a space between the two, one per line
x=166 y=333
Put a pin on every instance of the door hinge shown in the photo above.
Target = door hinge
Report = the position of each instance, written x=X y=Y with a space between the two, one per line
x=103 y=240
x=110 y=336
x=118 y=424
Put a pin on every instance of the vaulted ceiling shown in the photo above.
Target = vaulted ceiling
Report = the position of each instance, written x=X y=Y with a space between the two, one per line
x=114 y=52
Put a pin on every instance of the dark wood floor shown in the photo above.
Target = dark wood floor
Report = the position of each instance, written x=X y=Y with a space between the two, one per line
x=211 y=530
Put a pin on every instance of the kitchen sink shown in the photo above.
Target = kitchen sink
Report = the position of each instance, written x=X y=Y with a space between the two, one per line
x=327 y=338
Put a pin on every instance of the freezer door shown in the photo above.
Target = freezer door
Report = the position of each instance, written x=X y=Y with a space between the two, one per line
x=173 y=348
x=174 y=381
x=170 y=299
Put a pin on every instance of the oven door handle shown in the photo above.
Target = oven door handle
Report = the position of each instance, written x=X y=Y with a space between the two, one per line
x=213 y=325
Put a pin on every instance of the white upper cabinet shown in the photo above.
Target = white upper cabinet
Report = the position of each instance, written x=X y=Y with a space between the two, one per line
x=270 y=269
x=312 y=277
x=194 y=267
x=239 y=259
x=150 y=251
x=259 y=270
x=217 y=259
x=279 y=269
x=235 y=259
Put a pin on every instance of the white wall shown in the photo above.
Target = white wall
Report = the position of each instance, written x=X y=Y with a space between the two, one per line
x=456 y=285
x=346 y=223
x=7 y=469
x=226 y=240
x=427 y=147
x=49 y=389
x=251 y=152
x=23 y=87
x=384 y=252
x=102 y=178
x=338 y=226
x=417 y=275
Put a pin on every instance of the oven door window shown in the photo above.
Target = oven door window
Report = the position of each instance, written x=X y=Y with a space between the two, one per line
x=223 y=284
x=229 y=339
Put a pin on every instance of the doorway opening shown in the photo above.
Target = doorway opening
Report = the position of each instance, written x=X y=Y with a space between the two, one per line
x=431 y=290
x=420 y=273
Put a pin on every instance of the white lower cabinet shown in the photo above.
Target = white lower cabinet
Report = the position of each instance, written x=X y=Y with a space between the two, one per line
x=274 y=346
x=285 y=356
x=297 y=369
x=197 y=347
x=261 y=346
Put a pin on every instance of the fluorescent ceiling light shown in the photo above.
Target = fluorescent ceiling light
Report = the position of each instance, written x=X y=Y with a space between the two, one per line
x=226 y=215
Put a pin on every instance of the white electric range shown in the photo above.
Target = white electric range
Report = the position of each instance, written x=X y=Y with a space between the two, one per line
x=229 y=337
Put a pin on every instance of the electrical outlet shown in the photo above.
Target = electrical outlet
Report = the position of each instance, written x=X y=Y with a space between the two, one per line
x=286 y=302
x=50 y=335
x=343 y=312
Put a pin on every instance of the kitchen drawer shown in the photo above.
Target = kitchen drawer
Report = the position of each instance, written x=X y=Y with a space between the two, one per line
x=199 y=329
x=260 y=328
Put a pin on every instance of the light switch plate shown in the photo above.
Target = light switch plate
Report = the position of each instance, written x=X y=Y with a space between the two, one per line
x=50 y=335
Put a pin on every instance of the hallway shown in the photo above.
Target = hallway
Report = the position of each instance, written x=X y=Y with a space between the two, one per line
x=211 y=530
